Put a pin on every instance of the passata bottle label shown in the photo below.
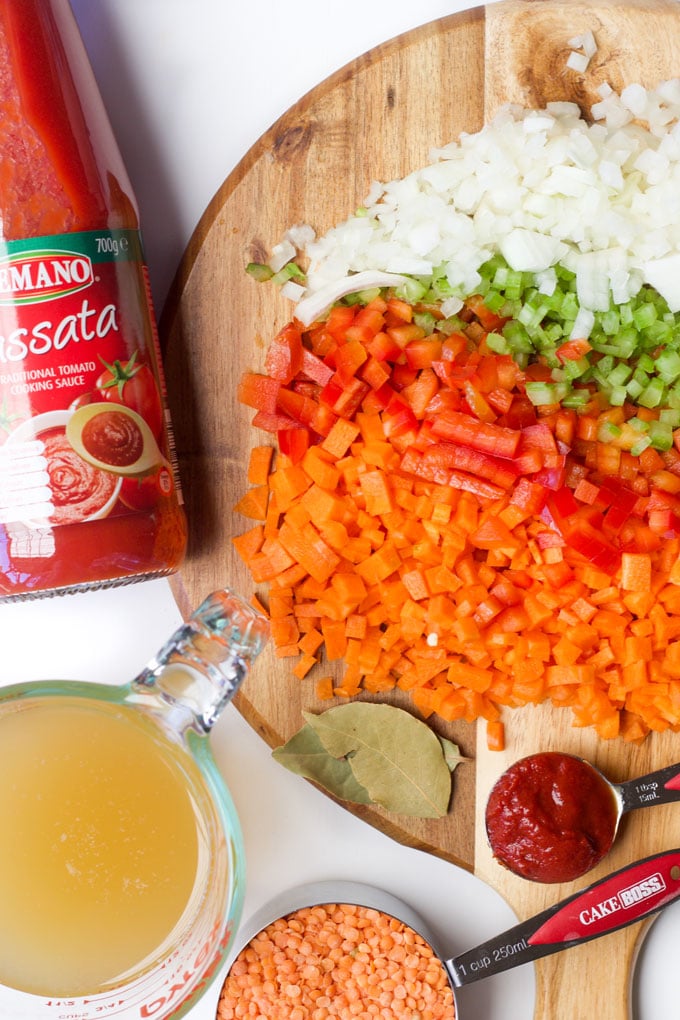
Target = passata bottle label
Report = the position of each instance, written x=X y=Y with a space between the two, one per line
x=84 y=429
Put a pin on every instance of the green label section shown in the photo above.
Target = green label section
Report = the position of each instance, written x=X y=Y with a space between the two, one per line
x=97 y=245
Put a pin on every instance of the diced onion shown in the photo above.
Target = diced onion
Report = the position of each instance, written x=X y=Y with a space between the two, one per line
x=314 y=305
x=541 y=187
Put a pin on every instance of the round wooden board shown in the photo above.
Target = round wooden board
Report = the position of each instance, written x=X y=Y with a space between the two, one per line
x=378 y=118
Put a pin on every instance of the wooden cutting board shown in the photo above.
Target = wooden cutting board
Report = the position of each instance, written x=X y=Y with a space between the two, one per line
x=378 y=118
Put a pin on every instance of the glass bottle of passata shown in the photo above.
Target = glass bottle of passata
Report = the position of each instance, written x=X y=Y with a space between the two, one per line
x=89 y=494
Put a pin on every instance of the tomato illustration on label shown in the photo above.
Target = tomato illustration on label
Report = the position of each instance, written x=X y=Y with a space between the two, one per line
x=133 y=384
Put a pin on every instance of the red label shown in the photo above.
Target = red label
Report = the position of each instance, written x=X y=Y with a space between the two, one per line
x=83 y=421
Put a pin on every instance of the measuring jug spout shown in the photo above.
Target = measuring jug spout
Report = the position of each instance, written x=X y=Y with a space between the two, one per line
x=200 y=668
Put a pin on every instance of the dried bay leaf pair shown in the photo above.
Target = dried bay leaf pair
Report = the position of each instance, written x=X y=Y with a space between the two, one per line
x=374 y=754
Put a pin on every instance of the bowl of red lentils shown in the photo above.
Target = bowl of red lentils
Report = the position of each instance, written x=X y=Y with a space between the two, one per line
x=337 y=950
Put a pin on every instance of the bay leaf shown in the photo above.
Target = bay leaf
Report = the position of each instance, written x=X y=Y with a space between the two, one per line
x=452 y=755
x=305 y=755
x=396 y=757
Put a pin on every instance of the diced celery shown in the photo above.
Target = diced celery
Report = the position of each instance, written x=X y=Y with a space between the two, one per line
x=668 y=365
x=412 y=291
x=426 y=321
x=653 y=393
x=497 y=343
x=644 y=315
x=661 y=435
x=619 y=375
x=617 y=396
x=610 y=322
x=608 y=430
x=640 y=446
x=670 y=416
x=546 y=393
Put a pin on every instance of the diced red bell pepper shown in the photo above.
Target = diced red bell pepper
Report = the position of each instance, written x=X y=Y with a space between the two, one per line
x=573 y=350
x=383 y=347
x=315 y=368
x=468 y=431
x=529 y=496
x=489 y=320
x=405 y=334
x=368 y=321
x=273 y=422
x=344 y=399
x=552 y=474
x=296 y=405
x=453 y=374
x=340 y=318
x=563 y=501
x=477 y=403
x=258 y=391
x=294 y=443
x=349 y=358
x=478 y=486
x=421 y=391
x=500 y=400
x=423 y=352
x=586 y=540
x=283 y=360
x=537 y=437
x=465 y=458
x=398 y=418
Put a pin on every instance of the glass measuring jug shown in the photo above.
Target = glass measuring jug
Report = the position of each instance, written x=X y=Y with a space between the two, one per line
x=121 y=856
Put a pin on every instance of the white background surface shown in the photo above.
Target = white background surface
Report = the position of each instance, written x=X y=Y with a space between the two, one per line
x=190 y=85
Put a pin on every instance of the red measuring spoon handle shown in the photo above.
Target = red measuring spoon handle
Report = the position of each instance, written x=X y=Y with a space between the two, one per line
x=626 y=896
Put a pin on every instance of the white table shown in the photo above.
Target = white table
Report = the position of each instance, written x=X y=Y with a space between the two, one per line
x=190 y=85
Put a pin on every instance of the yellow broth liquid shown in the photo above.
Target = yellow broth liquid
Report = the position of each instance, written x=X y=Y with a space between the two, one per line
x=99 y=843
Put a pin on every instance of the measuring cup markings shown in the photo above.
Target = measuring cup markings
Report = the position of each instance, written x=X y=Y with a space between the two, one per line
x=659 y=787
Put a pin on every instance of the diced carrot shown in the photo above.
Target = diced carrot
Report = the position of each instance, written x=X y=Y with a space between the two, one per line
x=249 y=543
x=254 y=502
x=284 y=630
x=324 y=688
x=303 y=666
x=259 y=464
x=636 y=572
x=495 y=735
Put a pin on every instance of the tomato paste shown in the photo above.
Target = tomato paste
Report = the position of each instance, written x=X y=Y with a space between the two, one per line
x=76 y=327
x=551 y=817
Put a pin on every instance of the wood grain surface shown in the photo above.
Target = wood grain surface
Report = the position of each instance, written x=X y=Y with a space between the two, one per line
x=378 y=118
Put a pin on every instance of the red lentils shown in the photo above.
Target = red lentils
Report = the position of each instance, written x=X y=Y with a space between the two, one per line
x=337 y=962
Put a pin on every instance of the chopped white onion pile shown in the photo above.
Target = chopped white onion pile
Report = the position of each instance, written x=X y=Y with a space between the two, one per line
x=541 y=187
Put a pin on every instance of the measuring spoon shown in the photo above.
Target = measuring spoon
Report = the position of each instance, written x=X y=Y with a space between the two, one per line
x=551 y=816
